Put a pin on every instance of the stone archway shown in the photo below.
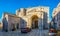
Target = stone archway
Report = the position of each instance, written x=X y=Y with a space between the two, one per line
x=34 y=21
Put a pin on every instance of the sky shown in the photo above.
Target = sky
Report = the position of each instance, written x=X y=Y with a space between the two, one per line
x=11 y=6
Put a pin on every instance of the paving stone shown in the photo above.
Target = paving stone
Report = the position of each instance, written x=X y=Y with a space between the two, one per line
x=34 y=32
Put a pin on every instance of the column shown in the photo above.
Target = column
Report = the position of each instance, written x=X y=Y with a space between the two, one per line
x=40 y=23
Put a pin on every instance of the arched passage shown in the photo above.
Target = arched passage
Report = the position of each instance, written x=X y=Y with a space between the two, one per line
x=34 y=21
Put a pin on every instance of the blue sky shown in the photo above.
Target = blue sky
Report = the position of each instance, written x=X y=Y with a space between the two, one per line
x=12 y=5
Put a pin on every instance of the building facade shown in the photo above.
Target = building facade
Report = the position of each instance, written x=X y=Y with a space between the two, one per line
x=10 y=21
x=35 y=17
x=56 y=16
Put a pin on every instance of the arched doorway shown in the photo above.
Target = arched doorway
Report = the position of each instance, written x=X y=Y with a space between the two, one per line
x=34 y=21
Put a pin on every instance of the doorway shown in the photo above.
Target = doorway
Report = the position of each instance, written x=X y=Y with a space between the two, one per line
x=34 y=22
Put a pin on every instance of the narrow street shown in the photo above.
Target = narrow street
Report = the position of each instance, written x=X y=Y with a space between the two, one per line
x=34 y=32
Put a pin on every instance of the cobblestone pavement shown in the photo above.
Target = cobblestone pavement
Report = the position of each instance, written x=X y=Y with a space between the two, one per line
x=34 y=32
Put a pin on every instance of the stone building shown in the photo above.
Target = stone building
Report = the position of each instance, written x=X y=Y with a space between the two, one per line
x=56 y=16
x=10 y=21
x=1 y=25
x=34 y=17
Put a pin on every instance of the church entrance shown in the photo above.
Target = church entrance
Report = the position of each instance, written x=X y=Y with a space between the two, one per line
x=34 y=22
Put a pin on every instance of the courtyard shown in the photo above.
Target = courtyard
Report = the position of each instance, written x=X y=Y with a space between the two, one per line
x=34 y=32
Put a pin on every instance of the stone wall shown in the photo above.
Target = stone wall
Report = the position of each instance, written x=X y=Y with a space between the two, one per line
x=13 y=20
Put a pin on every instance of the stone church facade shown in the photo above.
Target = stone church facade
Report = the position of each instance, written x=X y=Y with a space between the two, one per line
x=56 y=16
x=34 y=17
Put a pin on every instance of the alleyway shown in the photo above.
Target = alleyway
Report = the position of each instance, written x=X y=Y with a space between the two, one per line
x=34 y=32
